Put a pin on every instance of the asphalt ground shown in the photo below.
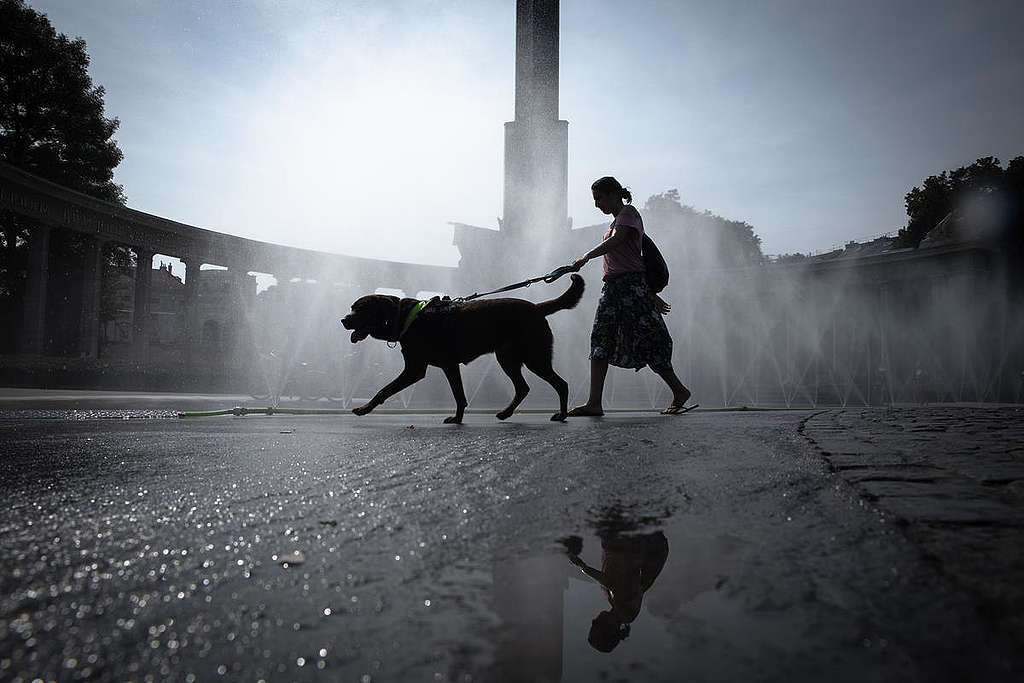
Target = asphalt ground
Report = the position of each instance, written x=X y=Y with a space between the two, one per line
x=392 y=547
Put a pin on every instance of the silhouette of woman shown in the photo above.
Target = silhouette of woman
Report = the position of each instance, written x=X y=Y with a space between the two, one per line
x=629 y=566
x=628 y=328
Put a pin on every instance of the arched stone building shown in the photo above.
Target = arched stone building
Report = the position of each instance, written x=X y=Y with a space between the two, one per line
x=862 y=325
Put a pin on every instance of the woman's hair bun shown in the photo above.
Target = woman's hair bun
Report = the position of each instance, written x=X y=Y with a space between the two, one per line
x=609 y=185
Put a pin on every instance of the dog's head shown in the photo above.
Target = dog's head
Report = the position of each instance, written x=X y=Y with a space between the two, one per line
x=376 y=315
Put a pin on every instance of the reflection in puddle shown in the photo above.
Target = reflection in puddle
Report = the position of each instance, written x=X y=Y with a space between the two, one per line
x=528 y=598
x=629 y=566
x=612 y=601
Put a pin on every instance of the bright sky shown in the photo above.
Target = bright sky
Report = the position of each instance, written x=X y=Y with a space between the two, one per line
x=363 y=127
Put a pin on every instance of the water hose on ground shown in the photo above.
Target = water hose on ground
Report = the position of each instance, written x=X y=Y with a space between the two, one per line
x=239 y=411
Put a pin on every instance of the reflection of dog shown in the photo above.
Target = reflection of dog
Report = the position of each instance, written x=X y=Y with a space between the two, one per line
x=446 y=334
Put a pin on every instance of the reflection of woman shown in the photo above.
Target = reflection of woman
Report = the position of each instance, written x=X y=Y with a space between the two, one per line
x=629 y=566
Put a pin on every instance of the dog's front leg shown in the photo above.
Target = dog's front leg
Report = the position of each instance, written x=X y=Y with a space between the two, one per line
x=455 y=380
x=409 y=376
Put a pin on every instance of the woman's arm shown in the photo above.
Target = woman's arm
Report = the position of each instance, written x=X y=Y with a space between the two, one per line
x=596 y=574
x=618 y=237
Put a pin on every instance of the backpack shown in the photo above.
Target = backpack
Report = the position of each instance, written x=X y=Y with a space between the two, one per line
x=655 y=268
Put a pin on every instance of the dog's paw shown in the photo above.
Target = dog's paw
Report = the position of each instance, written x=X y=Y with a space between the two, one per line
x=362 y=410
x=453 y=420
x=558 y=417
x=504 y=415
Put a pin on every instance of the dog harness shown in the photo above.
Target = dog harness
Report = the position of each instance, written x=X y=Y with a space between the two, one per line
x=412 y=315
x=420 y=305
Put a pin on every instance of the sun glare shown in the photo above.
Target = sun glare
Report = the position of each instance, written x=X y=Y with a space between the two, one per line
x=374 y=159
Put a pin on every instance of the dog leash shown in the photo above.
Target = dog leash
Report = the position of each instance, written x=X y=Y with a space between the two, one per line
x=549 y=278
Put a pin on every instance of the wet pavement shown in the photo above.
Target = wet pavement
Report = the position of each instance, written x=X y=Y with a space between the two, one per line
x=710 y=546
x=83 y=404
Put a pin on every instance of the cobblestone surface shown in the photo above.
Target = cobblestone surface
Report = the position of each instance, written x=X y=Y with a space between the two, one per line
x=954 y=477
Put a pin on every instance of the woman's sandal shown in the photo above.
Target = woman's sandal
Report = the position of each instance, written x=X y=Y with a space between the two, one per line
x=679 y=410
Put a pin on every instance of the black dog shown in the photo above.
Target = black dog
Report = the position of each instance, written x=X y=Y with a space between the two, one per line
x=445 y=334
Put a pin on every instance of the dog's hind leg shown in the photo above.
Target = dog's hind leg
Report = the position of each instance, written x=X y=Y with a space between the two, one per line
x=455 y=380
x=542 y=368
x=514 y=370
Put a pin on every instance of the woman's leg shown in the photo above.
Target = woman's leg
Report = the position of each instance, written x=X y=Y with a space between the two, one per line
x=593 y=407
x=680 y=394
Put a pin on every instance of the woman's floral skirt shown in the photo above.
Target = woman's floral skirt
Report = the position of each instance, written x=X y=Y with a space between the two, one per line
x=629 y=332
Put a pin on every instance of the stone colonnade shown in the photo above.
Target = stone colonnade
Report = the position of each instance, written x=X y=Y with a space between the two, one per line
x=33 y=333
x=49 y=207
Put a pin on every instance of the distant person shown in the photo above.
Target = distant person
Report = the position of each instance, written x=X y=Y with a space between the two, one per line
x=629 y=566
x=628 y=328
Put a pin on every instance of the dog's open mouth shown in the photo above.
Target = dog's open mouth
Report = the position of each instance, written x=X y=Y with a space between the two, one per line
x=359 y=335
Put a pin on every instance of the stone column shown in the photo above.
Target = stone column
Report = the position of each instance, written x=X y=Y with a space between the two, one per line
x=190 y=308
x=239 y=339
x=33 y=334
x=92 y=285
x=140 y=314
x=884 y=364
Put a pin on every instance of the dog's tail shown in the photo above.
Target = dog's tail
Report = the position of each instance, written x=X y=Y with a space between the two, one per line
x=569 y=298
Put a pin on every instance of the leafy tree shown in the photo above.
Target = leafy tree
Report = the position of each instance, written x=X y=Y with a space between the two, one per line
x=700 y=239
x=52 y=124
x=950 y=191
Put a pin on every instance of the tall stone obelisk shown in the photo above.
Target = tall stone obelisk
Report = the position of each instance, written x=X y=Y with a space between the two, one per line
x=533 y=231
x=528 y=593
x=536 y=142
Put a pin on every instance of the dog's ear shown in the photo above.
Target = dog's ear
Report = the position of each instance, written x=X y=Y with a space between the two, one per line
x=380 y=311
x=387 y=308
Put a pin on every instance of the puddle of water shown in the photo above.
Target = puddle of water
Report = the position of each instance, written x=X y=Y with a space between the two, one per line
x=622 y=603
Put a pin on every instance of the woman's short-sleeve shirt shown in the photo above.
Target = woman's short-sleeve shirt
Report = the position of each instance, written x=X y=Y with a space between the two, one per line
x=627 y=258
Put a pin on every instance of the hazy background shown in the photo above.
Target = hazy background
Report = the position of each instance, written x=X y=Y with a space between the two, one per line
x=363 y=127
